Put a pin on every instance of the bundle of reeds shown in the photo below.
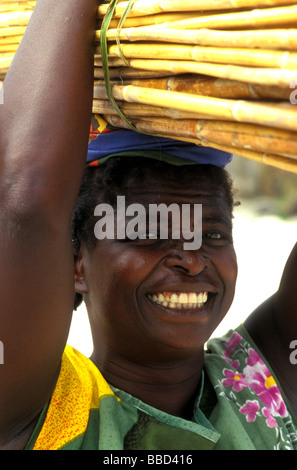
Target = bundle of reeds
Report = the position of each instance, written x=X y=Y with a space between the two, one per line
x=220 y=73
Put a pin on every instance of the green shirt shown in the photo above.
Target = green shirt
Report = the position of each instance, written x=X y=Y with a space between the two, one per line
x=239 y=407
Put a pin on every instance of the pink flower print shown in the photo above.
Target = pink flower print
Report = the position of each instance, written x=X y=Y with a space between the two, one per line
x=232 y=343
x=234 y=380
x=258 y=376
x=269 y=394
x=254 y=358
x=270 y=420
x=250 y=409
x=235 y=364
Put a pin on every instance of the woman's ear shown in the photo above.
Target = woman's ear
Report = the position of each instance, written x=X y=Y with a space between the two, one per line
x=79 y=273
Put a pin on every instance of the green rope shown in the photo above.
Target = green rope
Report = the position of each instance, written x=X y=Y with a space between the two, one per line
x=104 y=55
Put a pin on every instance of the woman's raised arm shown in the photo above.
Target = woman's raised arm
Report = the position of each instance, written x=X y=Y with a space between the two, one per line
x=273 y=327
x=44 y=125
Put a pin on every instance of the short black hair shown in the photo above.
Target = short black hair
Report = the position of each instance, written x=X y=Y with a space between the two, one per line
x=106 y=182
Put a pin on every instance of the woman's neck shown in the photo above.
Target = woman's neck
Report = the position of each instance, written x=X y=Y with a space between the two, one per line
x=169 y=387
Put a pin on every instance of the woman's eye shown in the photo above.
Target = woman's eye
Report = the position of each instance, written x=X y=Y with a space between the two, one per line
x=214 y=236
x=217 y=237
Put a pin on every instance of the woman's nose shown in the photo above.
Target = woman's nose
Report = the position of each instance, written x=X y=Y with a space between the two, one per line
x=191 y=262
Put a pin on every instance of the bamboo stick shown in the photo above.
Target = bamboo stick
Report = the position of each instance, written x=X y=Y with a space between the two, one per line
x=199 y=85
x=10 y=40
x=19 y=3
x=277 y=161
x=235 y=56
x=8 y=48
x=6 y=55
x=184 y=5
x=15 y=6
x=281 y=163
x=126 y=72
x=148 y=7
x=268 y=17
x=5 y=63
x=15 y=18
x=264 y=39
x=195 y=84
x=134 y=110
x=4 y=69
x=112 y=61
x=12 y=31
x=215 y=87
x=258 y=76
x=248 y=136
x=231 y=134
x=157 y=19
x=139 y=110
x=242 y=111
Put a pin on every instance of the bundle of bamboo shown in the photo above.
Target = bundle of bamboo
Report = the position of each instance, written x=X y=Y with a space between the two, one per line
x=220 y=73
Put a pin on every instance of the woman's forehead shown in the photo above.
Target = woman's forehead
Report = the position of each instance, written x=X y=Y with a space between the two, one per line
x=174 y=188
x=157 y=182
x=181 y=204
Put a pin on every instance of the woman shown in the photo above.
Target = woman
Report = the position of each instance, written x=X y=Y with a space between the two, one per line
x=157 y=390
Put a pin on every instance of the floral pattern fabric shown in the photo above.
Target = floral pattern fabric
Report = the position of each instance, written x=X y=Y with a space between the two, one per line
x=248 y=383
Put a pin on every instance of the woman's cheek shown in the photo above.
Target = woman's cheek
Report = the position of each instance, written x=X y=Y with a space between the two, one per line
x=133 y=265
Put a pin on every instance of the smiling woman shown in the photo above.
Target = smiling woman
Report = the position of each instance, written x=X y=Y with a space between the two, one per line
x=152 y=302
x=132 y=271
x=153 y=305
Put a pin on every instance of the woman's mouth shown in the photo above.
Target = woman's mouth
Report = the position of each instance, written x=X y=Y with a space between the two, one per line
x=180 y=300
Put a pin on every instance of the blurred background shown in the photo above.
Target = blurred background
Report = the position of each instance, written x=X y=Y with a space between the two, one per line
x=265 y=231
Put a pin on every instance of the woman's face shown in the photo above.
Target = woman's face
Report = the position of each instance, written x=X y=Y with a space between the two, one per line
x=150 y=299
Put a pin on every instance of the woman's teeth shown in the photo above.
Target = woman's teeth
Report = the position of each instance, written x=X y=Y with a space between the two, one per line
x=181 y=300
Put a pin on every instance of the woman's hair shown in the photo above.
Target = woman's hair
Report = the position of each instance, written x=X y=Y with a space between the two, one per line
x=113 y=178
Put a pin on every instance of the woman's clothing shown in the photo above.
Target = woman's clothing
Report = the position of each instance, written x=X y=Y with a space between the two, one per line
x=240 y=406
